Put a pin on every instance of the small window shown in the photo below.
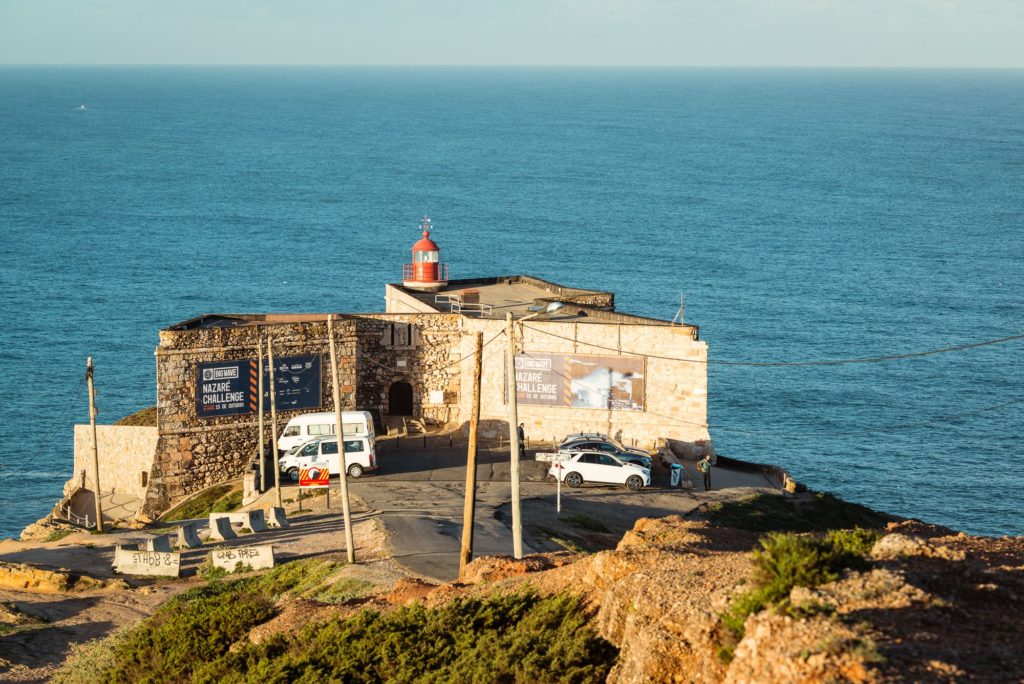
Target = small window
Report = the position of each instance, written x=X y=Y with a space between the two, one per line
x=329 y=448
x=590 y=458
x=321 y=429
x=291 y=431
x=310 y=450
x=609 y=461
x=353 y=446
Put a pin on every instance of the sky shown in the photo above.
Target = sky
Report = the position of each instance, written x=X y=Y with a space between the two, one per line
x=759 y=33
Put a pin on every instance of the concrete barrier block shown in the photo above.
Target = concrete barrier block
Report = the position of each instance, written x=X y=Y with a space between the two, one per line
x=152 y=563
x=252 y=520
x=160 y=542
x=220 y=527
x=276 y=517
x=257 y=557
x=257 y=523
x=187 y=537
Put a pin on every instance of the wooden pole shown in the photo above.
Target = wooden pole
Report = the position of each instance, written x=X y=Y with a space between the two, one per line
x=513 y=440
x=273 y=418
x=259 y=413
x=95 y=446
x=339 y=430
x=466 y=552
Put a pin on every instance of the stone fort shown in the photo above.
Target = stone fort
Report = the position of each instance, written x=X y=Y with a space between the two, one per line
x=581 y=366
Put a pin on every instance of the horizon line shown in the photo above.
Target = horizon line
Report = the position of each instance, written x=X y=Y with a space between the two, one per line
x=513 y=66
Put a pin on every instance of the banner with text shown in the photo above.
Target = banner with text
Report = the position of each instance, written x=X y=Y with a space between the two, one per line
x=229 y=388
x=581 y=381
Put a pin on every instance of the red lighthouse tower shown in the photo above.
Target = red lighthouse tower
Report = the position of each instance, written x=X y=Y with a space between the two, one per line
x=426 y=272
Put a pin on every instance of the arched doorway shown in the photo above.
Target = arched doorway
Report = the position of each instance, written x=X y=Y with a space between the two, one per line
x=400 y=399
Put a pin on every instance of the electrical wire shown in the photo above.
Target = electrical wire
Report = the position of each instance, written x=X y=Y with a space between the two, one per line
x=938 y=420
x=445 y=367
x=767 y=364
x=59 y=425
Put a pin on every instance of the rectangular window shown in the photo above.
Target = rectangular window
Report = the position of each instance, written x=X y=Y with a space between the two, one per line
x=353 y=446
x=321 y=429
x=291 y=431
x=329 y=448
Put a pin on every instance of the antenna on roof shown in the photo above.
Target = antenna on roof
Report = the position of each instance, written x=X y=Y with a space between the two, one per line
x=679 y=313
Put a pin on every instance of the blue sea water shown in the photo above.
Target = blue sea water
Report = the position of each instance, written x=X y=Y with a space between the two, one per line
x=803 y=214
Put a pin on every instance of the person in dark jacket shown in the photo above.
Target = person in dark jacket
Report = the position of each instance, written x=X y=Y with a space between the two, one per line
x=522 y=439
x=704 y=466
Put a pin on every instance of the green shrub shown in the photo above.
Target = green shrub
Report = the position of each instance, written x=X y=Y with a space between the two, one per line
x=511 y=638
x=184 y=634
x=786 y=560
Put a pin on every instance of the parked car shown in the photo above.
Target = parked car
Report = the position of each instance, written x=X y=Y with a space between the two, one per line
x=598 y=437
x=595 y=466
x=360 y=456
x=609 y=448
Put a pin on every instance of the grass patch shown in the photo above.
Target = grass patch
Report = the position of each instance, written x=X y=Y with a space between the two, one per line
x=342 y=591
x=57 y=535
x=784 y=561
x=145 y=417
x=231 y=501
x=772 y=513
x=586 y=522
x=509 y=638
x=556 y=539
x=217 y=499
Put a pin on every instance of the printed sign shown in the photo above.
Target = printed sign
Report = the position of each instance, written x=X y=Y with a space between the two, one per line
x=229 y=388
x=255 y=557
x=296 y=383
x=581 y=381
x=226 y=388
x=315 y=475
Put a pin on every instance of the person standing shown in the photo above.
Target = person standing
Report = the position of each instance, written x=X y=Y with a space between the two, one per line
x=704 y=466
x=522 y=440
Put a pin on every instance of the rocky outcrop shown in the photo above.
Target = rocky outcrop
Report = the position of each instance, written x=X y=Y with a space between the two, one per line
x=933 y=606
x=21 y=577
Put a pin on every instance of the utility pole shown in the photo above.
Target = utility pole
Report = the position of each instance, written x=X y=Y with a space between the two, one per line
x=339 y=430
x=466 y=552
x=273 y=419
x=513 y=433
x=95 y=446
x=259 y=412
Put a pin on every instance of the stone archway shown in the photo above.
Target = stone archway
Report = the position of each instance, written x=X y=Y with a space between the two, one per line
x=400 y=399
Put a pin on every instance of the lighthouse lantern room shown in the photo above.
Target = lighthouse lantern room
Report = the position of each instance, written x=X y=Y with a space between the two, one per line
x=426 y=272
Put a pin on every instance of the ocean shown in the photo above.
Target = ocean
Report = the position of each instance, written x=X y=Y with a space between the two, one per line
x=803 y=215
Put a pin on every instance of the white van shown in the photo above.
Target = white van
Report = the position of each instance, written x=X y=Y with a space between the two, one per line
x=309 y=425
x=359 y=456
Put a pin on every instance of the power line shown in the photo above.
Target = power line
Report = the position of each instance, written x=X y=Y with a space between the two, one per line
x=766 y=364
x=890 y=428
x=6 y=474
x=445 y=367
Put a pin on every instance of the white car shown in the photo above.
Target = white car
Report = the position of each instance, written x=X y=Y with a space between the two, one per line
x=359 y=456
x=593 y=466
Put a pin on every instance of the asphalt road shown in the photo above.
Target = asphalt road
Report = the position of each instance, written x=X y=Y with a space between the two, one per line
x=418 y=493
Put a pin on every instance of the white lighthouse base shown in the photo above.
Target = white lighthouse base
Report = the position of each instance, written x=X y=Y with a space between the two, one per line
x=424 y=285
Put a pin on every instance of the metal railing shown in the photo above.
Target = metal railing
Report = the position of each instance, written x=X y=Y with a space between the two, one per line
x=408 y=271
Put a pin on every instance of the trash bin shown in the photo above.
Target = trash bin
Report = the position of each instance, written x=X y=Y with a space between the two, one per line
x=676 y=474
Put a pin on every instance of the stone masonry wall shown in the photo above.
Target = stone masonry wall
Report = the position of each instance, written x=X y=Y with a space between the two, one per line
x=430 y=364
x=194 y=453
